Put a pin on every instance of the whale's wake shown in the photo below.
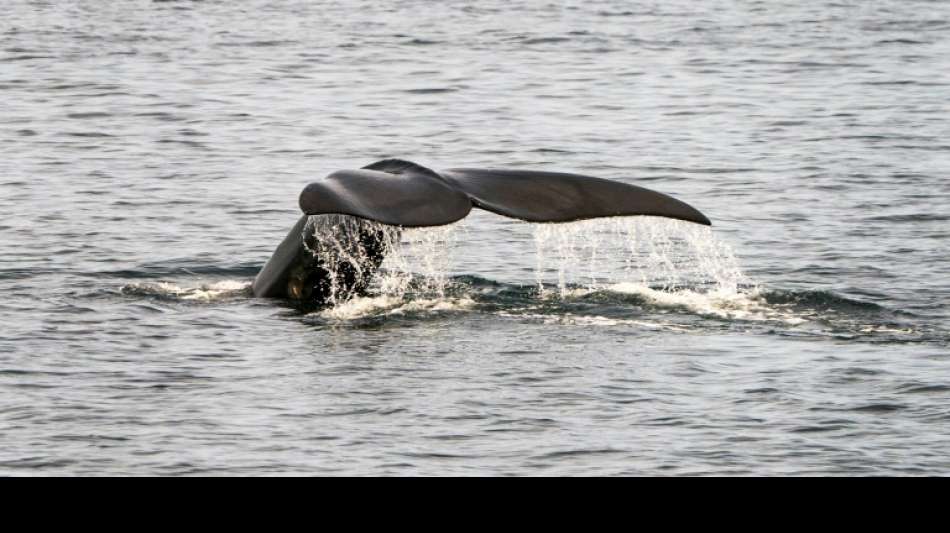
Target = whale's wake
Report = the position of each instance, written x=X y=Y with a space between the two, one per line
x=649 y=273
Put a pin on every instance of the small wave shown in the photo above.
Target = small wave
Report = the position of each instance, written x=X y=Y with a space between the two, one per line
x=719 y=302
x=391 y=306
x=819 y=300
x=572 y=319
x=901 y=41
x=24 y=58
x=545 y=40
x=204 y=293
x=911 y=217
x=89 y=135
x=432 y=90
x=259 y=44
x=184 y=267
x=88 y=115
x=923 y=388
x=422 y=42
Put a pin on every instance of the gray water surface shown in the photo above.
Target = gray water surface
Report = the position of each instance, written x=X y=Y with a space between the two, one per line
x=151 y=154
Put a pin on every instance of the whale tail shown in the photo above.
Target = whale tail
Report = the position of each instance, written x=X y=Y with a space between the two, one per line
x=403 y=194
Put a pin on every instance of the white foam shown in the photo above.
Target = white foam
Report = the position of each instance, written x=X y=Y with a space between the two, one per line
x=206 y=293
x=886 y=329
x=571 y=319
x=721 y=302
x=387 y=305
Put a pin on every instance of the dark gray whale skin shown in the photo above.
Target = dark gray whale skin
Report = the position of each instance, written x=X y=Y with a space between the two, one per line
x=401 y=193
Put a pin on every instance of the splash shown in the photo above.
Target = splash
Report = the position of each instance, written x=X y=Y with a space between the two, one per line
x=420 y=264
x=349 y=249
x=667 y=263
x=663 y=255
x=416 y=263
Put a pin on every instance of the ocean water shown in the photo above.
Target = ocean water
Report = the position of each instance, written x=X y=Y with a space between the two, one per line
x=151 y=154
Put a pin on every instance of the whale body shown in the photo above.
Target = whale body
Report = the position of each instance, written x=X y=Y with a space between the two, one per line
x=342 y=214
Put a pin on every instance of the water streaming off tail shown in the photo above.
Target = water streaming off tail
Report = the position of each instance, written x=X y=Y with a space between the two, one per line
x=668 y=263
x=349 y=250
x=417 y=260
x=414 y=276
x=421 y=262
x=660 y=254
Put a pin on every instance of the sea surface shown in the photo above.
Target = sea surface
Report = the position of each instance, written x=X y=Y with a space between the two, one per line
x=152 y=153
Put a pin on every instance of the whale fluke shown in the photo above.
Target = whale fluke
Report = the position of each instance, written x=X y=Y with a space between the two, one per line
x=400 y=193
x=558 y=197
x=393 y=192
